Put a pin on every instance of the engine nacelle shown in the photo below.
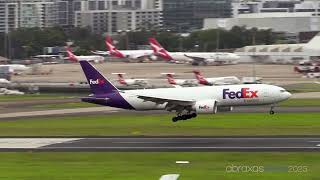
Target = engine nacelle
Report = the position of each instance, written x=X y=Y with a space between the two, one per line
x=206 y=107
x=225 y=108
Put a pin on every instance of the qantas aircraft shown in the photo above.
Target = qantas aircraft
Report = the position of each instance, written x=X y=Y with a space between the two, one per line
x=179 y=82
x=216 y=81
x=130 y=82
x=74 y=58
x=195 y=58
x=186 y=102
x=130 y=54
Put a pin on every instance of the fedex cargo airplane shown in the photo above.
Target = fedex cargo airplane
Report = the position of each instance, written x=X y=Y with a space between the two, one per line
x=186 y=102
x=130 y=82
x=130 y=54
x=194 y=58
x=216 y=81
x=74 y=58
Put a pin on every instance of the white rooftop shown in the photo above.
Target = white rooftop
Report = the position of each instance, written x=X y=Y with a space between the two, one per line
x=276 y=15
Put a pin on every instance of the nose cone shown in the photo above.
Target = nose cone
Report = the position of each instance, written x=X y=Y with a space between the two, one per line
x=286 y=95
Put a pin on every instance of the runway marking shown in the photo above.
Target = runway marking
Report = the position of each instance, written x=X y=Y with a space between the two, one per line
x=171 y=147
x=182 y=162
x=130 y=142
x=212 y=138
x=16 y=143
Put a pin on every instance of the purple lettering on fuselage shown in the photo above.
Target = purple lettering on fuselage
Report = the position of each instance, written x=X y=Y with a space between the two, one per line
x=244 y=93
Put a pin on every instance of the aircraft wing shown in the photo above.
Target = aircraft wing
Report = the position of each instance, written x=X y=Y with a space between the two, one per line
x=102 y=53
x=140 y=56
x=160 y=100
x=195 y=58
x=199 y=59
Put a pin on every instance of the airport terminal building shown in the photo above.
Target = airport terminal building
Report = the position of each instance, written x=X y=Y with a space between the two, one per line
x=279 y=22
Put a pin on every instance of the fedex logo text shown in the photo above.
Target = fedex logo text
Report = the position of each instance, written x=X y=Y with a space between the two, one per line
x=96 y=82
x=205 y=107
x=244 y=93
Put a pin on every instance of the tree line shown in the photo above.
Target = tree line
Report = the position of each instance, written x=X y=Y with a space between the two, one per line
x=27 y=42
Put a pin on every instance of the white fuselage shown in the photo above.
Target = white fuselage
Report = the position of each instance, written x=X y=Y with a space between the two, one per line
x=135 y=54
x=209 y=57
x=182 y=82
x=95 y=59
x=228 y=80
x=134 y=82
x=265 y=95
x=16 y=68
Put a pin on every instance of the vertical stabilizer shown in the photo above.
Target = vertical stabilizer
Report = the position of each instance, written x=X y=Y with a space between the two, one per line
x=98 y=83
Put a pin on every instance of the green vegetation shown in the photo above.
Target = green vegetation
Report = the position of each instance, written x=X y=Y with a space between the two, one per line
x=161 y=125
x=289 y=103
x=146 y=166
x=301 y=103
x=26 y=42
x=10 y=98
x=303 y=87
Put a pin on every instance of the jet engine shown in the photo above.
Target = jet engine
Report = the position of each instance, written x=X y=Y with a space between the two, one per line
x=206 y=107
x=225 y=108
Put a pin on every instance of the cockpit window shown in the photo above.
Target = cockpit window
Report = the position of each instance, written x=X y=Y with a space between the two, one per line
x=283 y=91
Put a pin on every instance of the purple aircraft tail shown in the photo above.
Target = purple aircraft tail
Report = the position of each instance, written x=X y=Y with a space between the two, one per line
x=98 y=83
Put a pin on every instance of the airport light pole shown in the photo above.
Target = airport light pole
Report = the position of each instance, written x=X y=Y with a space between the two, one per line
x=254 y=72
x=218 y=39
x=221 y=24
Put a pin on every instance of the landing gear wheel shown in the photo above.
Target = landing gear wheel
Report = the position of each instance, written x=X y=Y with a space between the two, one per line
x=185 y=117
x=175 y=119
x=271 y=110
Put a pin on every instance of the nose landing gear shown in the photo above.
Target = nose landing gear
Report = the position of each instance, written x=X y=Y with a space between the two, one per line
x=271 y=110
x=184 y=117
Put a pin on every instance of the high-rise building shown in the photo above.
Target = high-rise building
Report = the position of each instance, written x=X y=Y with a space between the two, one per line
x=27 y=13
x=112 y=16
x=185 y=15
x=100 y=15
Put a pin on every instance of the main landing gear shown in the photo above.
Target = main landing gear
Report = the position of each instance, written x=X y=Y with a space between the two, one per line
x=271 y=110
x=184 y=117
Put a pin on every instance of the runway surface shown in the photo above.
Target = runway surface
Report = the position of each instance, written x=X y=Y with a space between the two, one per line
x=159 y=144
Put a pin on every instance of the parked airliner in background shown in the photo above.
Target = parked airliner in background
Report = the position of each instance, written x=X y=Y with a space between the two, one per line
x=228 y=80
x=74 y=58
x=15 y=69
x=4 y=82
x=194 y=58
x=130 y=82
x=101 y=53
x=186 y=102
x=129 y=54
x=179 y=82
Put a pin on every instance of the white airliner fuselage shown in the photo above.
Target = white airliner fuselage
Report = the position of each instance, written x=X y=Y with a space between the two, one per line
x=16 y=68
x=222 y=95
x=205 y=58
x=195 y=58
x=188 y=101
